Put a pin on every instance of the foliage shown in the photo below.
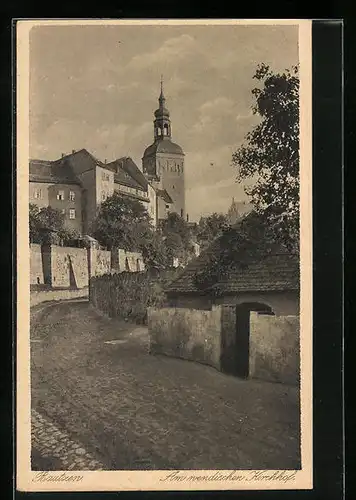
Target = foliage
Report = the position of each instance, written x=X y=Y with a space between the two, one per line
x=121 y=223
x=68 y=237
x=248 y=241
x=211 y=227
x=270 y=154
x=42 y=221
x=175 y=224
x=127 y=295
x=177 y=238
x=154 y=251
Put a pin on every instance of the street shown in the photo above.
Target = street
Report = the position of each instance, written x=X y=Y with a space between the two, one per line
x=101 y=401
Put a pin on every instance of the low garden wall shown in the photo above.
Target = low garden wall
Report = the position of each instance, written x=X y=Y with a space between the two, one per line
x=191 y=334
x=274 y=348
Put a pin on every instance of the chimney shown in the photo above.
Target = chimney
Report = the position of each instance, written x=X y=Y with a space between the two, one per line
x=73 y=151
x=187 y=217
x=63 y=155
x=105 y=161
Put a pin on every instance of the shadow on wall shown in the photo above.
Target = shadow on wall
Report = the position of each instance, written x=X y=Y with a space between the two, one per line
x=234 y=339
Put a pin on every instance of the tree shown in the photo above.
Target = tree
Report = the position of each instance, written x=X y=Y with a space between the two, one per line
x=251 y=239
x=154 y=251
x=43 y=221
x=34 y=226
x=175 y=224
x=121 y=223
x=270 y=154
x=177 y=237
x=211 y=227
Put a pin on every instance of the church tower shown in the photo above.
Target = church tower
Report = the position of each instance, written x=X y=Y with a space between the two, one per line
x=163 y=164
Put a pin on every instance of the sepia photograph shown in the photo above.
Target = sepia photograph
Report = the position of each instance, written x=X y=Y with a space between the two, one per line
x=164 y=235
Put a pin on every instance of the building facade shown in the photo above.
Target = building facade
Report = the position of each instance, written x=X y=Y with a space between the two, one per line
x=76 y=184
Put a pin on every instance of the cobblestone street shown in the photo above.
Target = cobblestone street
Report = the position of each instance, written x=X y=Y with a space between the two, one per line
x=100 y=401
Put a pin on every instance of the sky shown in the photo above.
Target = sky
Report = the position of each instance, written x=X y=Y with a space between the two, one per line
x=96 y=87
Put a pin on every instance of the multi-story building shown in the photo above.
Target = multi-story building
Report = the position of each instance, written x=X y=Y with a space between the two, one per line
x=77 y=183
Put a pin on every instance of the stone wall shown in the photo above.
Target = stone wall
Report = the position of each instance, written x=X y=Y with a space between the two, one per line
x=189 y=333
x=99 y=262
x=69 y=267
x=274 y=348
x=121 y=261
x=36 y=267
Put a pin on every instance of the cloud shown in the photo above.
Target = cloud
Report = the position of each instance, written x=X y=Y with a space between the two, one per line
x=220 y=123
x=171 y=50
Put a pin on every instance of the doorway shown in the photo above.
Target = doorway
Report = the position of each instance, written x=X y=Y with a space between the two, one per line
x=242 y=339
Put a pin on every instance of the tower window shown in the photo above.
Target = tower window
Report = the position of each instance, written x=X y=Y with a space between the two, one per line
x=165 y=129
x=72 y=213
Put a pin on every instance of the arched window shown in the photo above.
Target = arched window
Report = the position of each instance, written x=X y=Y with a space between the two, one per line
x=165 y=128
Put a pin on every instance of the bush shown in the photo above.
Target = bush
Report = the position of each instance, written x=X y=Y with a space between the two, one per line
x=127 y=295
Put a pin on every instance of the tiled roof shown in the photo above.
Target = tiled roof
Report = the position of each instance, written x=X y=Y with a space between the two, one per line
x=162 y=193
x=127 y=173
x=81 y=161
x=53 y=172
x=227 y=272
x=65 y=170
x=132 y=169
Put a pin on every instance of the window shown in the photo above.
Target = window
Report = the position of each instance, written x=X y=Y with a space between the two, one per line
x=60 y=195
x=103 y=196
x=167 y=207
x=63 y=211
x=71 y=195
x=72 y=213
x=37 y=193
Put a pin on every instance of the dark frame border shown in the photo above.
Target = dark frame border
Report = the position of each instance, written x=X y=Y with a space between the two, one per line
x=327 y=277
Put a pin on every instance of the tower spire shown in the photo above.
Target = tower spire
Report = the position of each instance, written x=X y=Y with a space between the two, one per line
x=161 y=98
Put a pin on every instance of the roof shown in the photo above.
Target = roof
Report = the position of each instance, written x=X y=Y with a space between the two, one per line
x=222 y=269
x=128 y=173
x=163 y=146
x=53 y=172
x=130 y=167
x=66 y=169
x=162 y=193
